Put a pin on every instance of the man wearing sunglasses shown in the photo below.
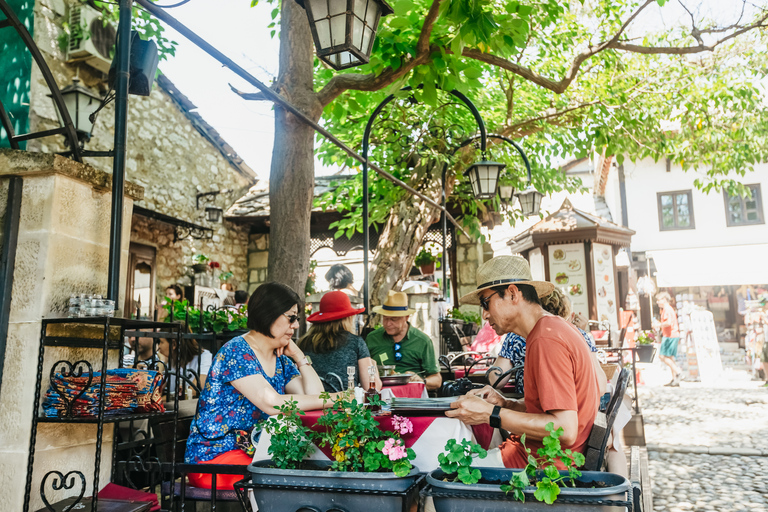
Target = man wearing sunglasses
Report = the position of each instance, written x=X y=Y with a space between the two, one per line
x=399 y=343
x=560 y=380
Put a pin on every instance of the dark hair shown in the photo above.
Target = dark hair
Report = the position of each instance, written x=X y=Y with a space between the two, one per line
x=176 y=288
x=528 y=292
x=268 y=302
x=241 y=296
x=339 y=277
x=189 y=349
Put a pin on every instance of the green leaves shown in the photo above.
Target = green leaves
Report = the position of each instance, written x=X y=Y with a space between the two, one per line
x=457 y=459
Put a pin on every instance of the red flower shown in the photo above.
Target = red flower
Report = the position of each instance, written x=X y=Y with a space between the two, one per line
x=214 y=264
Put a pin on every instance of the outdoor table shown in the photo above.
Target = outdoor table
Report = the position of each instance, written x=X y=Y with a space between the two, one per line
x=410 y=390
x=430 y=433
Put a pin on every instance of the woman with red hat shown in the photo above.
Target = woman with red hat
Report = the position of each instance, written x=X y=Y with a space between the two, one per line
x=332 y=346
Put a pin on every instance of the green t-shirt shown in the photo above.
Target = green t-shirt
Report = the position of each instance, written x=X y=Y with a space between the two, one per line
x=416 y=348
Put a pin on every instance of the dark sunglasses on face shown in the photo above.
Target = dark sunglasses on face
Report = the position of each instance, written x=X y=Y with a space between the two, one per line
x=291 y=318
x=398 y=354
x=485 y=302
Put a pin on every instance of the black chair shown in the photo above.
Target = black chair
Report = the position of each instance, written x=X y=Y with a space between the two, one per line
x=498 y=379
x=601 y=430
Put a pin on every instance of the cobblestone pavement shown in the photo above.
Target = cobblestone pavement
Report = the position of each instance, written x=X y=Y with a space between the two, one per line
x=697 y=436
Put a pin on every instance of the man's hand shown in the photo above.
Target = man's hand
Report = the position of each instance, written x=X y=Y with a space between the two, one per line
x=415 y=378
x=490 y=395
x=471 y=409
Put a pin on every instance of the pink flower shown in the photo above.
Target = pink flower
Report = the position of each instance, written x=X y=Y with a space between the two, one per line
x=402 y=425
x=394 y=449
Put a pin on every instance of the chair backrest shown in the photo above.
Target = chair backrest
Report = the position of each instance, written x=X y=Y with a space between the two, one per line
x=498 y=379
x=601 y=430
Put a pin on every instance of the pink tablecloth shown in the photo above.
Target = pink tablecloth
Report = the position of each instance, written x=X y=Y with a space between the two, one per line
x=410 y=390
x=459 y=372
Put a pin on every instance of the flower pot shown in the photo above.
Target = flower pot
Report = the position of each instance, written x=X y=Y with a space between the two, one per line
x=429 y=268
x=471 y=329
x=488 y=497
x=645 y=353
x=199 y=268
x=317 y=488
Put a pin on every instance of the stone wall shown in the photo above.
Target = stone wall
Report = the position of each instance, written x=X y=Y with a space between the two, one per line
x=167 y=155
x=63 y=248
x=469 y=256
x=258 y=255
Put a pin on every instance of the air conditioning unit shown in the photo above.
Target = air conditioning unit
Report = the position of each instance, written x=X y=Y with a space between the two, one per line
x=93 y=41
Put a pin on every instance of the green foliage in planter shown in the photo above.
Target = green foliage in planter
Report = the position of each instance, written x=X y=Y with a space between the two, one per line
x=467 y=317
x=229 y=319
x=200 y=258
x=646 y=337
x=457 y=459
x=291 y=440
x=548 y=486
x=424 y=258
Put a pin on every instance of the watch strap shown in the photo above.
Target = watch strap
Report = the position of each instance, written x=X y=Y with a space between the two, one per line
x=495 y=420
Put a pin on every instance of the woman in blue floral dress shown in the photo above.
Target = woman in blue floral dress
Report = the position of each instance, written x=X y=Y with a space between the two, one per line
x=249 y=378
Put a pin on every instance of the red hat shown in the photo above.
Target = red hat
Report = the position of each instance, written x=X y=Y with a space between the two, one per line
x=334 y=306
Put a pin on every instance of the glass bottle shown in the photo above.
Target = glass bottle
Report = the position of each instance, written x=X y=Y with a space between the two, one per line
x=372 y=389
x=351 y=378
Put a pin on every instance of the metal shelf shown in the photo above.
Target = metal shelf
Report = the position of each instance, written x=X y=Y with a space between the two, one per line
x=107 y=419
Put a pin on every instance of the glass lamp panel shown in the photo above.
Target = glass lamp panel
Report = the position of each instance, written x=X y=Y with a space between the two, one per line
x=507 y=193
x=338 y=29
x=372 y=15
x=358 y=29
x=323 y=28
x=337 y=7
x=318 y=9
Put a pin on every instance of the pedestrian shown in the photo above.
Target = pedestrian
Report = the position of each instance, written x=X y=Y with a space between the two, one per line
x=670 y=336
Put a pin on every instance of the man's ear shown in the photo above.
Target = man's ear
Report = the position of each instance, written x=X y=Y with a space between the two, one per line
x=513 y=292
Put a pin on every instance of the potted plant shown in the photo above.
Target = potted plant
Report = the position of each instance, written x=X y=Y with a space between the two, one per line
x=540 y=486
x=645 y=348
x=228 y=321
x=200 y=263
x=425 y=260
x=365 y=458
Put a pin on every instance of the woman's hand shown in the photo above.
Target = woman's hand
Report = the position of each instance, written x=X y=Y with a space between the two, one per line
x=291 y=350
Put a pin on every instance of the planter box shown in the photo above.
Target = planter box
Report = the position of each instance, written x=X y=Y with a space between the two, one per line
x=289 y=490
x=458 y=497
x=645 y=353
x=471 y=329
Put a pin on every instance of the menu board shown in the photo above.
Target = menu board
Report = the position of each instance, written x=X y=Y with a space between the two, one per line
x=605 y=288
x=707 y=350
x=568 y=271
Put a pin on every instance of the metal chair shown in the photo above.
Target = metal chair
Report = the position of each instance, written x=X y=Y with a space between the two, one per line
x=601 y=429
x=498 y=379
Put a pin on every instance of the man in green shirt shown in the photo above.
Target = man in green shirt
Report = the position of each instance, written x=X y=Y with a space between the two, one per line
x=396 y=342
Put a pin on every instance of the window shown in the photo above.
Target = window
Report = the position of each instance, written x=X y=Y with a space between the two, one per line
x=742 y=211
x=675 y=210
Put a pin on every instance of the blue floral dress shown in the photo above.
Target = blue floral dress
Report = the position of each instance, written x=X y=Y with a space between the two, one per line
x=222 y=409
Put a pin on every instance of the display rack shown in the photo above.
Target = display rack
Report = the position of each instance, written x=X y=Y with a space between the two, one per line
x=107 y=334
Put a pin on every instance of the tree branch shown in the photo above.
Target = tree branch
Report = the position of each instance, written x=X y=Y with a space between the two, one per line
x=358 y=82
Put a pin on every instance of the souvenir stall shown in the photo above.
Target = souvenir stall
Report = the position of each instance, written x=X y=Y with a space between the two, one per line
x=576 y=251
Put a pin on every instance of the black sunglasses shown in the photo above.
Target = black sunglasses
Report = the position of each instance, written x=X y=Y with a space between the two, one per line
x=398 y=354
x=485 y=301
x=291 y=318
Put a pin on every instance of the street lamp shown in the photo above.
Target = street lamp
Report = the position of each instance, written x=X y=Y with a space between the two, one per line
x=213 y=214
x=530 y=201
x=81 y=103
x=507 y=193
x=344 y=30
x=484 y=178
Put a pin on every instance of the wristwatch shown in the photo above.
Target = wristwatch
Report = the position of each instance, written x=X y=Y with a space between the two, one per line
x=495 y=420
x=305 y=361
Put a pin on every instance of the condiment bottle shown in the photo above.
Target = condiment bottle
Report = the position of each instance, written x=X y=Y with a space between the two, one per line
x=372 y=390
x=350 y=378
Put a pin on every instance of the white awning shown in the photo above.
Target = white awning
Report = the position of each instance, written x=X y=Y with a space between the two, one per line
x=712 y=266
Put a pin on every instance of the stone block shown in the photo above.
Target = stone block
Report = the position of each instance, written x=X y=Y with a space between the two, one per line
x=37 y=200
x=81 y=212
x=258 y=259
x=262 y=242
x=253 y=276
x=461 y=254
x=472 y=254
x=467 y=274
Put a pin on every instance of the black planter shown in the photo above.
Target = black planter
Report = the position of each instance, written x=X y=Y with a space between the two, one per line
x=200 y=268
x=459 y=497
x=645 y=353
x=471 y=328
x=290 y=490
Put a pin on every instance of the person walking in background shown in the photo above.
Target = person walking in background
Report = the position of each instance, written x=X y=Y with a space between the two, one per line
x=670 y=336
x=333 y=348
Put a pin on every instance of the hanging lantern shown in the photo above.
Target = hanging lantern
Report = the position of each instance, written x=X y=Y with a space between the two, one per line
x=507 y=193
x=530 y=201
x=213 y=213
x=344 y=30
x=484 y=178
x=80 y=103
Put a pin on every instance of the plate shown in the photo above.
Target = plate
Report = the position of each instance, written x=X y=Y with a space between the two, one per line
x=395 y=380
x=558 y=254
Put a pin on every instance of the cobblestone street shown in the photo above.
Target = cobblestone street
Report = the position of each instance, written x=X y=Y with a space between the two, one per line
x=707 y=446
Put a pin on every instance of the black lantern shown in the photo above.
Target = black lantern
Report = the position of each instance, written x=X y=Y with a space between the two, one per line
x=213 y=213
x=80 y=102
x=507 y=193
x=530 y=201
x=484 y=177
x=344 y=30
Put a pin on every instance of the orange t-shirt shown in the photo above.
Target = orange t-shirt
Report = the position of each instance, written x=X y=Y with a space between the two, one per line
x=559 y=375
x=668 y=314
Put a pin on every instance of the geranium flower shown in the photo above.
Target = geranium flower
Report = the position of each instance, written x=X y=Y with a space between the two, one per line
x=394 y=449
x=402 y=425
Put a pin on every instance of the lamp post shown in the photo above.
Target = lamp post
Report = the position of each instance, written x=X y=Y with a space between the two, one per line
x=344 y=30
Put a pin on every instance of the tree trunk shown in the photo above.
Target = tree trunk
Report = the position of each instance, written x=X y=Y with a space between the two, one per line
x=291 y=178
x=403 y=235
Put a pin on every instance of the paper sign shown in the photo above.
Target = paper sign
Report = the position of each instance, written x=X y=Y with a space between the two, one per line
x=602 y=263
x=567 y=270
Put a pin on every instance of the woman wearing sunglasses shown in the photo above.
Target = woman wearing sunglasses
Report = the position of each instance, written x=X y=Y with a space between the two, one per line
x=251 y=376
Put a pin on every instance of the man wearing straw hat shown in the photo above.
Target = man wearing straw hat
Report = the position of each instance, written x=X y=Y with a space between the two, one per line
x=400 y=344
x=560 y=381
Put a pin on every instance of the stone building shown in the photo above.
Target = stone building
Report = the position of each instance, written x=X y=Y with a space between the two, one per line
x=172 y=153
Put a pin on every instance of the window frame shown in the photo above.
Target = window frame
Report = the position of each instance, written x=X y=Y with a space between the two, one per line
x=675 y=193
x=761 y=215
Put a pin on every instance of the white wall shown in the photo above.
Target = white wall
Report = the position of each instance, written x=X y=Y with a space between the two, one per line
x=645 y=178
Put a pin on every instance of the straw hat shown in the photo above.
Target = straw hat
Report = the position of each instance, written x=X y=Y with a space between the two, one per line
x=395 y=305
x=333 y=306
x=505 y=270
